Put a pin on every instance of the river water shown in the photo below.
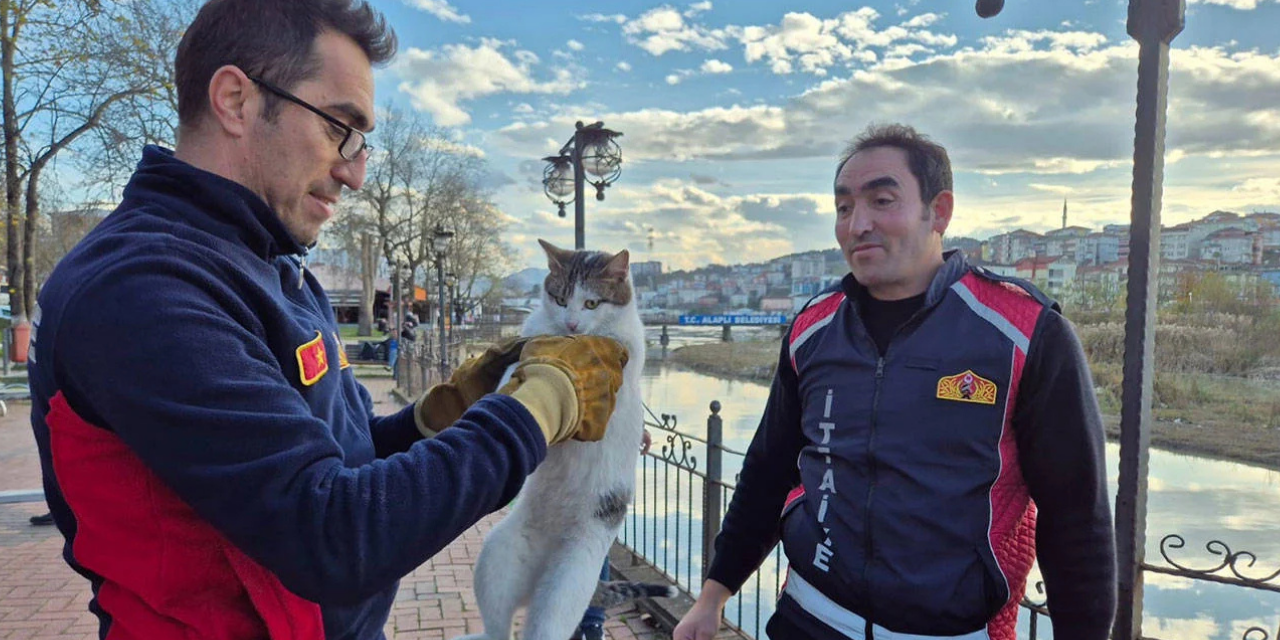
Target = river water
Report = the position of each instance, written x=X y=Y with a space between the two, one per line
x=1198 y=498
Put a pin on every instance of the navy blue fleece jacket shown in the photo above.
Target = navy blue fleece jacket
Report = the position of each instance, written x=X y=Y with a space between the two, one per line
x=177 y=324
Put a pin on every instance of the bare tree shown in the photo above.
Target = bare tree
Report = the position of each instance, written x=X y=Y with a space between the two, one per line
x=63 y=66
x=418 y=179
x=385 y=218
x=107 y=156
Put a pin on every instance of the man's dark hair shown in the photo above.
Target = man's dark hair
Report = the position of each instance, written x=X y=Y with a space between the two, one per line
x=270 y=39
x=927 y=159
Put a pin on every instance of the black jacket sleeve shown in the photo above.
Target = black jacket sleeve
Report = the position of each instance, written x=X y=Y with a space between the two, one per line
x=750 y=528
x=1061 y=447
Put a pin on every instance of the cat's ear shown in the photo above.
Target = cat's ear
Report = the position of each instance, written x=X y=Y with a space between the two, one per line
x=557 y=258
x=617 y=267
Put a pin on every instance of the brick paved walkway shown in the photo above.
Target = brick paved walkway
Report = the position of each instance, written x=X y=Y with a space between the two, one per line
x=42 y=598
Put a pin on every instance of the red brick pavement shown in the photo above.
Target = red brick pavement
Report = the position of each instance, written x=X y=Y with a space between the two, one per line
x=42 y=598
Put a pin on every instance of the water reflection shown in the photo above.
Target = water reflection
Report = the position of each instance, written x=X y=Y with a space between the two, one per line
x=1198 y=498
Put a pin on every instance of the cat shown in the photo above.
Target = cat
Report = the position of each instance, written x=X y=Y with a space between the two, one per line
x=546 y=554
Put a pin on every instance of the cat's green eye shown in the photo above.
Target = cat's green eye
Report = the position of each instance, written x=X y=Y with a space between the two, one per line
x=559 y=300
x=591 y=304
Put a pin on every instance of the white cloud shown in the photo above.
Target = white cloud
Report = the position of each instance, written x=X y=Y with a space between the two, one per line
x=815 y=45
x=1059 y=189
x=574 y=45
x=664 y=29
x=616 y=18
x=922 y=20
x=438 y=81
x=716 y=66
x=440 y=9
x=457 y=148
x=673 y=78
x=1017 y=41
x=1242 y=5
x=697 y=7
x=623 y=66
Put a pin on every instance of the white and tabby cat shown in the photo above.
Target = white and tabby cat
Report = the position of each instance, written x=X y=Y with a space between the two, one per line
x=546 y=554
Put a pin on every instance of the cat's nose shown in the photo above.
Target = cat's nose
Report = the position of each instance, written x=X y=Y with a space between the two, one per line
x=573 y=326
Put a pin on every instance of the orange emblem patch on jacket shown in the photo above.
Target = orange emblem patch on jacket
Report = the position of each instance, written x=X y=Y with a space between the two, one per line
x=313 y=363
x=967 y=387
x=343 y=363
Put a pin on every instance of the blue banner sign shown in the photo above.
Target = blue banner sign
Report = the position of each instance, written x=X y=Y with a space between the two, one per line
x=753 y=319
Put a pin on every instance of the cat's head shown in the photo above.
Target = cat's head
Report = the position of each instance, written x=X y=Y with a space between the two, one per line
x=587 y=292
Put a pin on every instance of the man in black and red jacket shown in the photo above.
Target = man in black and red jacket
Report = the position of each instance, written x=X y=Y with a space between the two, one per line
x=923 y=414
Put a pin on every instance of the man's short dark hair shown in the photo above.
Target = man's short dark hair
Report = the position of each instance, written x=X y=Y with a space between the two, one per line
x=927 y=159
x=271 y=39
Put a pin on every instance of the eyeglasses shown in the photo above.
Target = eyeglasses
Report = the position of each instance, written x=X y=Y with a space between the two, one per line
x=353 y=142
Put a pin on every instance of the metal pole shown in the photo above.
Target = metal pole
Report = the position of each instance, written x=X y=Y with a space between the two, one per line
x=393 y=323
x=711 y=507
x=579 y=187
x=444 y=350
x=1154 y=24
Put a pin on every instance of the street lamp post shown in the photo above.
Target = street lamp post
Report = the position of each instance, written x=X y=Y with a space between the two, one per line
x=592 y=150
x=440 y=239
x=450 y=282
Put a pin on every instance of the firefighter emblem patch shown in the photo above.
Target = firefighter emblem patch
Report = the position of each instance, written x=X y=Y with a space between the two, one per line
x=313 y=363
x=967 y=387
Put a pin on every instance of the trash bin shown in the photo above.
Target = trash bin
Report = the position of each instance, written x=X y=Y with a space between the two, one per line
x=21 y=341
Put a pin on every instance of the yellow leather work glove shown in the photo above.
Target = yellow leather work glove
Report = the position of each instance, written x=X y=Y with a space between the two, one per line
x=570 y=384
x=443 y=404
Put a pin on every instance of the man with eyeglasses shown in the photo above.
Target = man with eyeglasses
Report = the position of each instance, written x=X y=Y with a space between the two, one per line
x=215 y=467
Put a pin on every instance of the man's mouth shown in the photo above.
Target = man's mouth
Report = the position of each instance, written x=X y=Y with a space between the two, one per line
x=326 y=202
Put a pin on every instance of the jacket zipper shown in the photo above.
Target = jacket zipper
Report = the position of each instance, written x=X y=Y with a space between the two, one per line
x=871 y=486
x=871 y=459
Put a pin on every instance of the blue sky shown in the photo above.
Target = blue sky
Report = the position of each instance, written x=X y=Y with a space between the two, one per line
x=734 y=113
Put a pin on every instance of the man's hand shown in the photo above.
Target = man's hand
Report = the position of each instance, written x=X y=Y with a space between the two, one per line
x=703 y=620
x=443 y=404
x=569 y=384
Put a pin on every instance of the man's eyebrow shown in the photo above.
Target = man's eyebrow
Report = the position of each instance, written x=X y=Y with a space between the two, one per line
x=355 y=117
x=878 y=183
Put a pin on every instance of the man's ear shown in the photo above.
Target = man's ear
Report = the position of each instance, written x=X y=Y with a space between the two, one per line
x=233 y=101
x=943 y=204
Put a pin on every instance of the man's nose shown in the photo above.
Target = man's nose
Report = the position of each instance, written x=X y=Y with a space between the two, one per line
x=860 y=222
x=351 y=174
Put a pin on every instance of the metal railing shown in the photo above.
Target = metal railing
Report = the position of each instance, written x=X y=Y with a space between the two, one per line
x=418 y=366
x=679 y=502
x=1230 y=569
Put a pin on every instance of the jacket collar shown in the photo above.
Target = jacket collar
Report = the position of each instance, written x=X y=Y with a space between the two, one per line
x=208 y=202
x=954 y=266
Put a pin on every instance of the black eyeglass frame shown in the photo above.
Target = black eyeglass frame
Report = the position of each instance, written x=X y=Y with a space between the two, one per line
x=350 y=130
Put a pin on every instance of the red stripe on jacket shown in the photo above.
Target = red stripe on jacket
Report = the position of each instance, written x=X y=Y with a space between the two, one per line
x=809 y=317
x=166 y=572
x=1013 y=514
